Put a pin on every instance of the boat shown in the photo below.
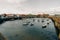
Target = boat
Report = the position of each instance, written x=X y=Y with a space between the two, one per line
x=47 y=19
x=31 y=24
x=25 y=24
x=33 y=20
x=38 y=21
x=44 y=26
x=47 y=23
x=28 y=22
x=42 y=20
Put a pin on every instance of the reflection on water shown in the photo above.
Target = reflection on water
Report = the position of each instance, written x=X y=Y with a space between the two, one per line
x=29 y=29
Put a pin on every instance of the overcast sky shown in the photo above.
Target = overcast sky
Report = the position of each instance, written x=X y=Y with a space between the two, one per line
x=28 y=6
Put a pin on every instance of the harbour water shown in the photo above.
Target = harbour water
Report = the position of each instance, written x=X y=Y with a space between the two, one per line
x=29 y=29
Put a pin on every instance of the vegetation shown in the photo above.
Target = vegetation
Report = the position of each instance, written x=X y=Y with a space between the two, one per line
x=56 y=23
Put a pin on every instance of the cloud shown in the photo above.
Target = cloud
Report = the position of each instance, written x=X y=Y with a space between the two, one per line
x=28 y=6
x=15 y=1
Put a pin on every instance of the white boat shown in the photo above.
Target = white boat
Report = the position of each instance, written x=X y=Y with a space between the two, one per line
x=44 y=26
x=25 y=24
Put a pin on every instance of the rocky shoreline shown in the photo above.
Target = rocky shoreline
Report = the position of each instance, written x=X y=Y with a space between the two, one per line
x=56 y=21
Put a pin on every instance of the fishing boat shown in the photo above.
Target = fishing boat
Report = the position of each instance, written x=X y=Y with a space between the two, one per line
x=44 y=26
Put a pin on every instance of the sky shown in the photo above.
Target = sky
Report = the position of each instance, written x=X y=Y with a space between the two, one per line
x=29 y=6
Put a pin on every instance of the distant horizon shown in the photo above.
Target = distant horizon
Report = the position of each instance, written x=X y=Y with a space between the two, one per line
x=30 y=13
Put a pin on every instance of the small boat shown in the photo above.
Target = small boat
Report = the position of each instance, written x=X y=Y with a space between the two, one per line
x=33 y=20
x=38 y=20
x=47 y=23
x=42 y=20
x=47 y=19
x=44 y=26
x=28 y=22
x=25 y=24
x=31 y=24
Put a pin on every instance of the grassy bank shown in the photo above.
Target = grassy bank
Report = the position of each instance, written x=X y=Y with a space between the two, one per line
x=56 y=21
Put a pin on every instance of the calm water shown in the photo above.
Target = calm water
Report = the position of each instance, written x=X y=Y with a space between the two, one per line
x=17 y=30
